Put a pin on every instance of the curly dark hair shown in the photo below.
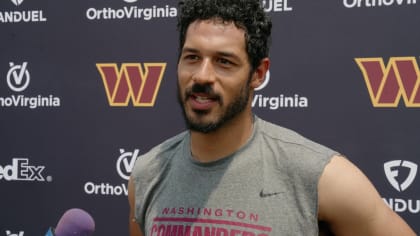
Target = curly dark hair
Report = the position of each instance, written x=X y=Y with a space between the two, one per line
x=245 y=14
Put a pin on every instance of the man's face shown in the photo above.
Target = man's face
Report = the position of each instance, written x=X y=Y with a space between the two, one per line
x=213 y=74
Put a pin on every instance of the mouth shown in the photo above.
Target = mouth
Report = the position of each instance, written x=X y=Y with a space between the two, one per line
x=201 y=99
x=202 y=102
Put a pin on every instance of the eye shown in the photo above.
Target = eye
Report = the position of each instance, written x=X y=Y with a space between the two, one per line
x=191 y=57
x=225 y=62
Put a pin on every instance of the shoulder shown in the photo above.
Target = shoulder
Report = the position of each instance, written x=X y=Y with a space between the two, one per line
x=290 y=154
x=158 y=156
x=292 y=144
x=351 y=205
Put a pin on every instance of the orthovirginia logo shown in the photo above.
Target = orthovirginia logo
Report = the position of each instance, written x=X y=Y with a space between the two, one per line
x=124 y=166
x=277 y=102
x=18 y=79
x=125 y=163
x=131 y=82
x=401 y=175
x=132 y=12
x=376 y=3
x=387 y=84
x=21 y=16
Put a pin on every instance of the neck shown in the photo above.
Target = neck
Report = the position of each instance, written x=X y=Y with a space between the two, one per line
x=208 y=147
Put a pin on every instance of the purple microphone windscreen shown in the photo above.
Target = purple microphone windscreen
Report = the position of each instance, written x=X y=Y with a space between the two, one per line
x=75 y=222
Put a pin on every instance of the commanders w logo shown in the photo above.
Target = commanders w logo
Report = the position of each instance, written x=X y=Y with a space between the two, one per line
x=387 y=84
x=133 y=82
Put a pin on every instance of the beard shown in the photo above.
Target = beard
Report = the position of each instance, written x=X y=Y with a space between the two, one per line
x=230 y=111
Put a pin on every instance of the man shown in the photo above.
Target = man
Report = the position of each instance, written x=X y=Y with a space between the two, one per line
x=232 y=173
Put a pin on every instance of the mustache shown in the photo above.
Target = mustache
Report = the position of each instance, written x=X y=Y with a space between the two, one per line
x=202 y=88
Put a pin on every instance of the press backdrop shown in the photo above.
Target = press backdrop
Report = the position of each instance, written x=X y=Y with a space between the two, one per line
x=87 y=86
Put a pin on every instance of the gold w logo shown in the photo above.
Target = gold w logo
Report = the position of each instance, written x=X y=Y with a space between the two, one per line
x=387 y=84
x=131 y=82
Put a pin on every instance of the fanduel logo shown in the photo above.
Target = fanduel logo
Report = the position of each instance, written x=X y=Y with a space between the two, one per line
x=18 y=78
x=132 y=82
x=125 y=165
x=21 y=16
x=387 y=84
x=277 y=102
x=392 y=172
x=276 y=5
x=20 y=170
x=17 y=2
x=377 y=3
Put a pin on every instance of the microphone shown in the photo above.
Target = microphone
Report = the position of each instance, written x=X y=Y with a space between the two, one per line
x=74 y=222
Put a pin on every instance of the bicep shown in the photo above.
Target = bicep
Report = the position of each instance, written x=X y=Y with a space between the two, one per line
x=133 y=226
x=350 y=204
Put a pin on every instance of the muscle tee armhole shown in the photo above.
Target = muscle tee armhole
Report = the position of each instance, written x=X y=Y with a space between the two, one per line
x=146 y=173
x=325 y=164
x=306 y=159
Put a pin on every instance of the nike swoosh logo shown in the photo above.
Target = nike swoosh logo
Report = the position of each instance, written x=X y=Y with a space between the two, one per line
x=263 y=195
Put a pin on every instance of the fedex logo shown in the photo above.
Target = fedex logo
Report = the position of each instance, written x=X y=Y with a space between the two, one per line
x=132 y=81
x=400 y=78
x=20 y=170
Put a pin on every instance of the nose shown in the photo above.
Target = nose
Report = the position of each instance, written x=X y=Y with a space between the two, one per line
x=204 y=73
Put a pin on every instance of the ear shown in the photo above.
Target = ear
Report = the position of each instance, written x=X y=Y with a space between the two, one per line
x=258 y=76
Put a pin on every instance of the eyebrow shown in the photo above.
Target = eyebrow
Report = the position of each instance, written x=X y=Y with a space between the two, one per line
x=187 y=49
x=219 y=53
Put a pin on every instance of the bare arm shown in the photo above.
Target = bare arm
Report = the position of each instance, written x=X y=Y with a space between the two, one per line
x=133 y=226
x=350 y=204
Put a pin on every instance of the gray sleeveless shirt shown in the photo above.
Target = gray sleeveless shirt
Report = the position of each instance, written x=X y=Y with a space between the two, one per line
x=267 y=187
